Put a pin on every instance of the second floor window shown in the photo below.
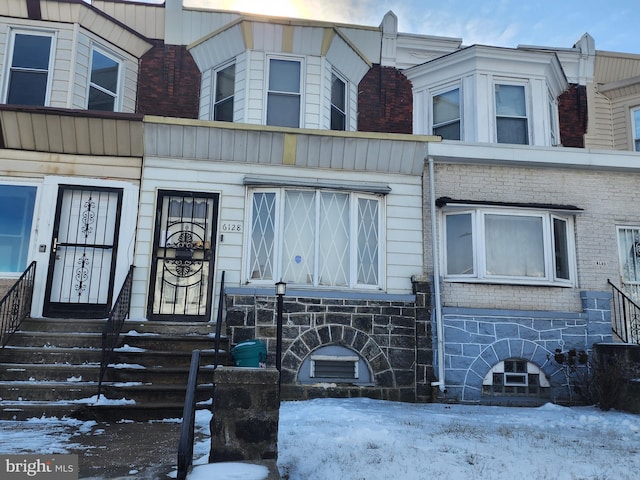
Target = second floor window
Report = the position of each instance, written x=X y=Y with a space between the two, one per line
x=315 y=238
x=225 y=81
x=103 y=85
x=511 y=115
x=636 y=129
x=284 y=93
x=338 y=103
x=446 y=114
x=29 y=71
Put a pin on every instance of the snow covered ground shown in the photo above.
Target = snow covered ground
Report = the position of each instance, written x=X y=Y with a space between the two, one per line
x=363 y=439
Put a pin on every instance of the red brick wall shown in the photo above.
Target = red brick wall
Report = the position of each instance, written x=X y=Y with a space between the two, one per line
x=168 y=82
x=572 y=111
x=385 y=101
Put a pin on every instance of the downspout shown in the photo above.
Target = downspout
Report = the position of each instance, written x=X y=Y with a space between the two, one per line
x=437 y=300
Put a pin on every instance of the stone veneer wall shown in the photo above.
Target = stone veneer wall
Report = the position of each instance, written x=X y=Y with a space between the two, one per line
x=246 y=412
x=391 y=332
x=477 y=339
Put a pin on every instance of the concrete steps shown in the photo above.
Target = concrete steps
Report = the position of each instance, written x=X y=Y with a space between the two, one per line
x=52 y=367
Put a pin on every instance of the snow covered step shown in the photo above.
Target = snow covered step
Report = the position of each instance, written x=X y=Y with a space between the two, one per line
x=49 y=391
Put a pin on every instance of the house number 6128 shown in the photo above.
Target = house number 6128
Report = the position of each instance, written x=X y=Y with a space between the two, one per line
x=231 y=227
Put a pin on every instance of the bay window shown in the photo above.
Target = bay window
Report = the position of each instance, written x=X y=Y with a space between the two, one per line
x=103 y=83
x=635 y=115
x=225 y=81
x=315 y=237
x=284 y=93
x=446 y=114
x=28 y=75
x=508 y=245
x=338 y=103
x=512 y=125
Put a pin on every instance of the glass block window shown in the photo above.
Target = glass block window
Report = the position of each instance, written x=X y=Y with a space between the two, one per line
x=516 y=377
x=314 y=237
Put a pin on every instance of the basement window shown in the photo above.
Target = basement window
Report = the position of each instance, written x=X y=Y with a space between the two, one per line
x=335 y=364
x=515 y=377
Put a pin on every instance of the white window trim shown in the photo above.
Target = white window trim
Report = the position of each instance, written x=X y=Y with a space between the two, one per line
x=9 y=60
x=527 y=99
x=479 y=274
x=214 y=84
x=439 y=91
x=298 y=59
x=635 y=127
x=117 y=104
x=279 y=244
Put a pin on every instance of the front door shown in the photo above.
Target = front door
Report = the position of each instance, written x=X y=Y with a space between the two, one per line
x=83 y=252
x=183 y=256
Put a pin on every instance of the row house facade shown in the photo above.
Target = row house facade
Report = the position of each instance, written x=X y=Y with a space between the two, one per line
x=357 y=164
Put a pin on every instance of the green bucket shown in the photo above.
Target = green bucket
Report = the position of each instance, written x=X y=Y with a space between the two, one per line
x=250 y=353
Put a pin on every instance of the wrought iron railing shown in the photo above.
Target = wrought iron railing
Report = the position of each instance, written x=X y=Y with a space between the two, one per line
x=111 y=332
x=625 y=315
x=16 y=304
x=185 y=445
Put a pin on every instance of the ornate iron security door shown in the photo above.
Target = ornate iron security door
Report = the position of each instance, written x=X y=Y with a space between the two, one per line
x=83 y=252
x=183 y=259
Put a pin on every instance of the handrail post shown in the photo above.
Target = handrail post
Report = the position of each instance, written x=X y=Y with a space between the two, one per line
x=185 y=446
x=15 y=305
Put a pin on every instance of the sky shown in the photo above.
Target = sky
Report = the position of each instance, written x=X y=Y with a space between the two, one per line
x=504 y=23
x=364 y=439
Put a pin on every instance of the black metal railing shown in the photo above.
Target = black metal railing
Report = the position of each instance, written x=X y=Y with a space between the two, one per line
x=16 y=304
x=111 y=332
x=185 y=445
x=220 y=319
x=625 y=321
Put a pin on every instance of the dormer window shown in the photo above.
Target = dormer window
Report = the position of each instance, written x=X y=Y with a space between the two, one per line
x=29 y=71
x=225 y=80
x=338 y=103
x=103 y=85
x=446 y=114
x=284 y=93
x=511 y=114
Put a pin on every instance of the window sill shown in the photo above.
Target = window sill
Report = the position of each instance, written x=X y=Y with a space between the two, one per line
x=512 y=282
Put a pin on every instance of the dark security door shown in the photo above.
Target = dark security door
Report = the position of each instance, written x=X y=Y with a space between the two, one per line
x=183 y=256
x=83 y=252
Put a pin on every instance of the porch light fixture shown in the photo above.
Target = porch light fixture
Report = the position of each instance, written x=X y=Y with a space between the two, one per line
x=281 y=290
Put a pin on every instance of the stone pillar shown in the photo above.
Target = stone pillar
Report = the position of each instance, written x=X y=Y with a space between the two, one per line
x=597 y=306
x=245 y=415
x=424 y=339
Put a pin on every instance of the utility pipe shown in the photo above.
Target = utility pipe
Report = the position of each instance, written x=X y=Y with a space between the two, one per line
x=437 y=301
